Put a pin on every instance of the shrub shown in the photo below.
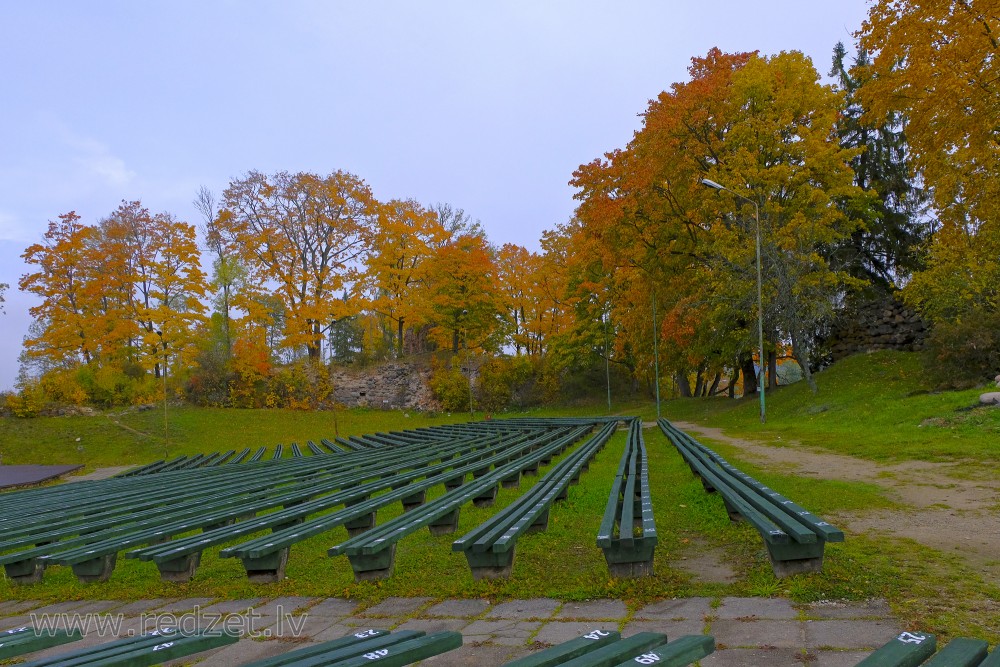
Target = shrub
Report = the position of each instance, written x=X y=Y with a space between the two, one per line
x=965 y=353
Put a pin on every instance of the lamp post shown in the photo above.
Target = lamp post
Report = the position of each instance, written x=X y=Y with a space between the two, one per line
x=468 y=358
x=760 y=299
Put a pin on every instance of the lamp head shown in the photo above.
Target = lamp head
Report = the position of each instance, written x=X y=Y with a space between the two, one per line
x=712 y=184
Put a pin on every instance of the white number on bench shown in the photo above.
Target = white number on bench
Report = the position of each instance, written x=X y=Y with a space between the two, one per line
x=910 y=638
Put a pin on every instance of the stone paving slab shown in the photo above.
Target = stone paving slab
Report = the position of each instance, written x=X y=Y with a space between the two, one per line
x=396 y=607
x=593 y=610
x=774 y=608
x=11 y=607
x=459 y=608
x=535 y=608
x=684 y=608
x=737 y=633
x=673 y=629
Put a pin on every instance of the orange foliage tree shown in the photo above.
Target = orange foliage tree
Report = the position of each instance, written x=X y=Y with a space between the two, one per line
x=765 y=128
x=395 y=284
x=301 y=238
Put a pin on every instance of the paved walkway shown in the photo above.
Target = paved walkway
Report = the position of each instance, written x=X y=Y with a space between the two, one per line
x=747 y=631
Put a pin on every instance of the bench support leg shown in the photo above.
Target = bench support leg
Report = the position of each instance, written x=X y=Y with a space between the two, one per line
x=445 y=524
x=454 y=482
x=25 y=571
x=361 y=524
x=634 y=562
x=791 y=559
x=540 y=523
x=180 y=569
x=368 y=567
x=414 y=501
x=487 y=498
x=287 y=524
x=267 y=569
x=512 y=482
x=490 y=565
x=96 y=569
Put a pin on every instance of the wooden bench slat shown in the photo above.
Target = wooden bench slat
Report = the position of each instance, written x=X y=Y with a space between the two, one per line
x=908 y=649
x=557 y=655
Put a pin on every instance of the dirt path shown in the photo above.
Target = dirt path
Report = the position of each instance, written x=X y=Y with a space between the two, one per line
x=950 y=513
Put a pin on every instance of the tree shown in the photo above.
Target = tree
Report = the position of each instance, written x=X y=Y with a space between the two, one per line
x=463 y=295
x=302 y=238
x=227 y=272
x=156 y=283
x=3 y=289
x=884 y=252
x=61 y=283
x=762 y=127
x=936 y=64
x=402 y=242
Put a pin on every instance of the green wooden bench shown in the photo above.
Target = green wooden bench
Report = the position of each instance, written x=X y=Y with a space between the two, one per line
x=489 y=548
x=960 y=652
x=313 y=448
x=795 y=538
x=627 y=535
x=141 y=651
x=910 y=649
x=242 y=454
x=258 y=455
x=603 y=654
x=24 y=640
x=600 y=648
x=403 y=647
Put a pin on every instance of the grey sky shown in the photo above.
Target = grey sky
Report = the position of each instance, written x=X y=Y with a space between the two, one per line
x=488 y=106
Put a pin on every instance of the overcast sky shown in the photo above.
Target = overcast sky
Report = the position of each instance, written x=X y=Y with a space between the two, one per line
x=488 y=106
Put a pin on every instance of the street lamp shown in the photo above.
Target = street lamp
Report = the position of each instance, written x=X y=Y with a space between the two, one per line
x=760 y=299
x=468 y=358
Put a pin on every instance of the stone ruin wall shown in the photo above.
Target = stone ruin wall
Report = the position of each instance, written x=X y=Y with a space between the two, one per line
x=391 y=386
x=885 y=324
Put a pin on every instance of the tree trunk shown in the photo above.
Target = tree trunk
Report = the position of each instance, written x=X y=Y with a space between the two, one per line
x=399 y=339
x=683 y=385
x=699 y=384
x=749 y=376
x=772 y=370
x=732 y=382
x=801 y=354
x=715 y=384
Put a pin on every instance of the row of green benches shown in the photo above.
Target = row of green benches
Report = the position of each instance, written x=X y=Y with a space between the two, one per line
x=627 y=535
x=89 y=537
x=85 y=524
x=795 y=538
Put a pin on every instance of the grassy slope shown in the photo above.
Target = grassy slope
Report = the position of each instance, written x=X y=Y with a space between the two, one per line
x=871 y=406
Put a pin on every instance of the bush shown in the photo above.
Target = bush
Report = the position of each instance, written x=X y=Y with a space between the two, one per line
x=506 y=382
x=450 y=385
x=964 y=354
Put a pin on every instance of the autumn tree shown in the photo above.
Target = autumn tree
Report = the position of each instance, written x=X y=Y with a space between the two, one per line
x=936 y=64
x=463 y=295
x=763 y=127
x=66 y=304
x=403 y=240
x=301 y=238
x=114 y=296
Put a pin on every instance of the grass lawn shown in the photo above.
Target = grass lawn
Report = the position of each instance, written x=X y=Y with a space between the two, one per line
x=871 y=406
